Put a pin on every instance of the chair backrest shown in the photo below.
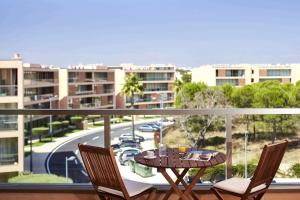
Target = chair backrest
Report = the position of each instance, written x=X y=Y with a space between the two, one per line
x=102 y=168
x=268 y=165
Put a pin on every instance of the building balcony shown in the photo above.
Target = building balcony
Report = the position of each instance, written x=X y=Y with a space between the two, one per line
x=36 y=82
x=231 y=137
x=84 y=92
x=8 y=123
x=8 y=90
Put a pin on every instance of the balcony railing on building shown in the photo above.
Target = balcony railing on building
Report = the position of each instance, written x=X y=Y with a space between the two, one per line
x=8 y=90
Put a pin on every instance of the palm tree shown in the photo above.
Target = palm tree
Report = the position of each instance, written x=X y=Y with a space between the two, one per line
x=131 y=87
x=178 y=85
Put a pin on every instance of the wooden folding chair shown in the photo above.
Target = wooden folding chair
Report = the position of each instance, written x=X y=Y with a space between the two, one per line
x=264 y=173
x=104 y=174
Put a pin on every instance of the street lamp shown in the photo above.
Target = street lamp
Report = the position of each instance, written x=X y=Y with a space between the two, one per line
x=68 y=159
x=50 y=118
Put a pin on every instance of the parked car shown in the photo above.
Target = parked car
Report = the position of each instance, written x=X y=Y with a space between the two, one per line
x=154 y=124
x=147 y=128
x=165 y=122
x=128 y=136
x=127 y=154
x=126 y=143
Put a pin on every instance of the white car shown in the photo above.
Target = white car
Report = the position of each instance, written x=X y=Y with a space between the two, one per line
x=165 y=122
x=127 y=154
x=147 y=128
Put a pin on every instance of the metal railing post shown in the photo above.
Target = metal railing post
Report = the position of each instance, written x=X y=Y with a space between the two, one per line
x=107 y=135
x=30 y=136
x=228 y=146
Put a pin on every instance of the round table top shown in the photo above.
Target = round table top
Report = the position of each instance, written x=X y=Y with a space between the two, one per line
x=174 y=159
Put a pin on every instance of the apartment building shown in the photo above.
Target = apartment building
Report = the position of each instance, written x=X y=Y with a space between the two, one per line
x=11 y=126
x=86 y=87
x=158 y=81
x=243 y=74
x=40 y=89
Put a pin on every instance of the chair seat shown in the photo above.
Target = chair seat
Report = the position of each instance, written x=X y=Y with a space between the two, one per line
x=237 y=185
x=133 y=188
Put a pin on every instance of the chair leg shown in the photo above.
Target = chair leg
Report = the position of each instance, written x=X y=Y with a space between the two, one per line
x=152 y=194
x=258 y=197
x=217 y=193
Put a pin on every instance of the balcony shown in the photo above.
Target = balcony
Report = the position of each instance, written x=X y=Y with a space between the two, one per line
x=233 y=145
x=90 y=105
x=9 y=122
x=8 y=90
x=37 y=82
x=84 y=92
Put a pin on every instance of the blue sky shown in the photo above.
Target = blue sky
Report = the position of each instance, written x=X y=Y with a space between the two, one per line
x=181 y=32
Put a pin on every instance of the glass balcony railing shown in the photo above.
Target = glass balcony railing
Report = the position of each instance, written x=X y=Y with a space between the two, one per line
x=84 y=92
x=8 y=90
x=155 y=89
x=8 y=122
x=39 y=81
x=238 y=133
x=39 y=97
x=156 y=78
x=90 y=105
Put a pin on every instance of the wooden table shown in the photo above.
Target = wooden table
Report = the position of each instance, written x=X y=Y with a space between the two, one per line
x=173 y=160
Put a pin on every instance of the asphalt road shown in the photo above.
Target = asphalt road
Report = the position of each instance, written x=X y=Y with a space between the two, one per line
x=57 y=161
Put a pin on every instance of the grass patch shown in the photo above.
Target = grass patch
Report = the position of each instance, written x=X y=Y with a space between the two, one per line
x=39 y=178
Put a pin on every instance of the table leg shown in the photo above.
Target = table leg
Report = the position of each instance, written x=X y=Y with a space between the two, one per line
x=173 y=185
x=180 y=179
x=194 y=181
x=167 y=195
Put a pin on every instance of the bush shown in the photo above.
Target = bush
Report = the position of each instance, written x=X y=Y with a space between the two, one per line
x=213 y=141
x=93 y=118
x=295 y=170
x=56 y=125
x=40 y=131
x=65 y=124
x=239 y=170
x=77 y=121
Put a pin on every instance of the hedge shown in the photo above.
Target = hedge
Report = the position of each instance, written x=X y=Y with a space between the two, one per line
x=40 y=131
x=65 y=124
x=39 y=178
x=76 y=119
x=56 y=125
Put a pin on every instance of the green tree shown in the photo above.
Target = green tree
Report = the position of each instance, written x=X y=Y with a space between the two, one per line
x=186 y=77
x=178 y=85
x=273 y=94
x=132 y=87
x=187 y=93
x=243 y=97
x=207 y=98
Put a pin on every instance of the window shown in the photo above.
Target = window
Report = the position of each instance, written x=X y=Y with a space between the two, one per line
x=234 y=73
x=9 y=151
x=278 y=72
x=228 y=81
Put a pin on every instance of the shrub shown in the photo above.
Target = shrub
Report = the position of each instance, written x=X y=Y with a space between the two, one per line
x=239 y=170
x=40 y=131
x=93 y=118
x=56 y=125
x=65 y=124
x=76 y=119
x=213 y=141
x=295 y=170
